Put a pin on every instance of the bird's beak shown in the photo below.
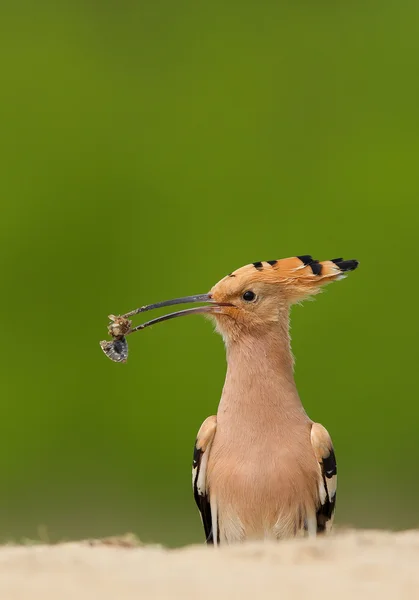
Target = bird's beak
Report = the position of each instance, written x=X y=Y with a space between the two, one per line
x=120 y=326
x=212 y=307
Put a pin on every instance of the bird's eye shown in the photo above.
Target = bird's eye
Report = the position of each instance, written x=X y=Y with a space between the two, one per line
x=249 y=296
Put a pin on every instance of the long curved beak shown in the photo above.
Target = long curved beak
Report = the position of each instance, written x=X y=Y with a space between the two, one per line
x=212 y=307
x=183 y=300
x=117 y=349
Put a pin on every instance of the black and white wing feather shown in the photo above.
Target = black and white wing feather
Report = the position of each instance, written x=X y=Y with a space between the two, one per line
x=199 y=471
x=325 y=455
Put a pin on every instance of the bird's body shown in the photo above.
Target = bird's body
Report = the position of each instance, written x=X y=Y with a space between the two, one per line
x=262 y=468
x=261 y=471
x=262 y=474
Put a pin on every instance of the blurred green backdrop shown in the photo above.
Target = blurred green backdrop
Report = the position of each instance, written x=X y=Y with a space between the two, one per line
x=148 y=149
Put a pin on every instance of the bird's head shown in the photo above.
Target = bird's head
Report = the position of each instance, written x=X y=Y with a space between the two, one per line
x=252 y=297
x=258 y=295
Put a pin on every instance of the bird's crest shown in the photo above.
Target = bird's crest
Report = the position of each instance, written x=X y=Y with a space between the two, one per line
x=299 y=276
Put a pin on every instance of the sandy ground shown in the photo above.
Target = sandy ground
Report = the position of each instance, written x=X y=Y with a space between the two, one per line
x=363 y=564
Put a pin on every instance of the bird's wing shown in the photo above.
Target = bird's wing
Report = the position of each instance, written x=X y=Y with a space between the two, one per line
x=323 y=450
x=199 y=471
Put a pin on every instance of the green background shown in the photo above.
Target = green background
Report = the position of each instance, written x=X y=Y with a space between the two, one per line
x=147 y=150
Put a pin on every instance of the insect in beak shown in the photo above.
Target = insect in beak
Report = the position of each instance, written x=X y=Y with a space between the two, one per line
x=121 y=326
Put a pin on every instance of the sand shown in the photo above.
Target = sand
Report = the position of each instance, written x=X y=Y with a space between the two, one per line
x=355 y=564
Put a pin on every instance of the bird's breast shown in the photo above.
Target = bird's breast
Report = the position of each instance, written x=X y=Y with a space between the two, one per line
x=264 y=487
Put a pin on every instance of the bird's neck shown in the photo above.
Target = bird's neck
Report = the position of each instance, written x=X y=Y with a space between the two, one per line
x=260 y=376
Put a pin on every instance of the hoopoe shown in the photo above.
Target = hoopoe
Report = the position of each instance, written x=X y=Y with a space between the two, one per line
x=261 y=468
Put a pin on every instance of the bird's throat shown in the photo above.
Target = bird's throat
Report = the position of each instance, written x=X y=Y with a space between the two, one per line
x=260 y=380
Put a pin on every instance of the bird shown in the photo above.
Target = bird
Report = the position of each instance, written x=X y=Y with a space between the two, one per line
x=262 y=469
